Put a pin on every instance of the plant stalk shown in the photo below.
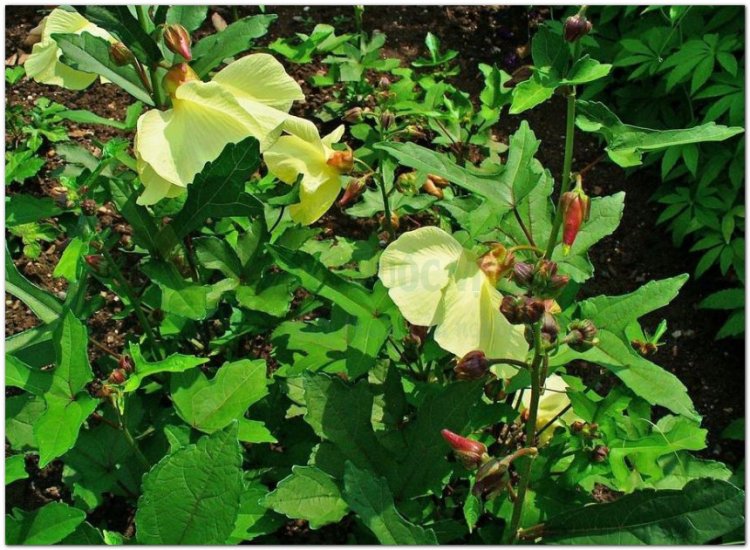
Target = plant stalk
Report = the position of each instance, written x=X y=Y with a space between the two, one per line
x=143 y=19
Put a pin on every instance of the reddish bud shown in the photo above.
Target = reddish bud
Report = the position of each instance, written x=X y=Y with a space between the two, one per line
x=430 y=188
x=94 y=261
x=438 y=180
x=353 y=115
x=600 y=454
x=576 y=27
x=177 y=76
x=126 y=363
x=89 y=207
x=471 y=453
x=575 y=210
x=521 y=310
x=577 y=426
x=352 y=193
x=117 y=376
x=387 y=119
x=472 y=366
x=343 y=161
x=177 y=40
x=491 y=479
x=523 y=273
x=581 y=335
x=120 y=54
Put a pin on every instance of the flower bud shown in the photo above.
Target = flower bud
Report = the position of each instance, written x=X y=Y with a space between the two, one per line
x=177 y=76
x=520 y=310
x=439 y=181
x=89 y=207
x=117 y=376
x=387 y=120
x=177 y=40
x=353 y=115
x=577 y=426
x=354 y=189
x=430 y=188
x=495 y=390
x=581 y=335
x=395 y=222
x=576 y=27
x=523 y=273
x=575 y=207
x=471 y=453
x=415 y=132
x=343 y=161
x=218 y=22
x=120 y=54
x=416 y=336
x=600 y=453
x=490 y=479
x=546 y=283
x=95 y=262
x=384 y=83
x=497 y=263
x=550 y=328
x=472 y=366
x=407 y=183
x=126 y=363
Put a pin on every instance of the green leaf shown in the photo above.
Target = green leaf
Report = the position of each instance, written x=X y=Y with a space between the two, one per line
x=190 y=17
x=90 y=54
x=178 y=296
x=124 y=196
x=528 y=94
x=193 y=495
x=626 y=144
x=472 y=510
x=20 y=209
x=309 y=494
x=429 y=161
x=210 y=405
x=20 y=375
x=681 y=468
x=15 y=468
x=119 y=21
x=368 y=495
x=70 y=262
x=586 y=70
x=522 y=171
x=21 y=165
x=218 y=191
x=318 y=279
x=143 y=368
x=84 y=535
x=47 y=525
x=209 y=52
x=702 y=511
x=42 y=304
x=253 y=518
x=21 y=414
x=735 y=430
x=214 y=253
x=57 y=429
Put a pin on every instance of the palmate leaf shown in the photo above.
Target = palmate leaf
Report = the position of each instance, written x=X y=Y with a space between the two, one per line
x=626 y=144
x=193 y=495
x=90 y=54
x=702 y=511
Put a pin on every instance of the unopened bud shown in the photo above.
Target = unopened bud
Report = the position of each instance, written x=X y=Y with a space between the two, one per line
x=384 y=83
x=577 y=426
x=520 y=310
x=387 y=119
x=177 y=39
x=495 y=390
x=546 y=283
x=575 y=210
x=576 y=27
x=117 y=376
x=439 y=181
x=95 y=262
x=353 y=115
x=471 y=453
x=472 y=366
x=395 y=222
x=550 y=328
x=126 y=363
x=218 y=22
x=89 y=207
x=490 y=479
x=416 y=336
x=497 y=263
x=353 y=190
x=523 y=273
x=120 y=54
x=600 y=453
x=177 y=76
x=430 y=188
x=581 y=335
x=343 y=161
x=407 y=183
x=415 y=132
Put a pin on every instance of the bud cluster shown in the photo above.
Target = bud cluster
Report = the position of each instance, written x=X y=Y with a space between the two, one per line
x=522 y=310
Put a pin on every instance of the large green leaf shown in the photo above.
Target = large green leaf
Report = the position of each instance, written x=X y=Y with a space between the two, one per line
x=253 y=518
x=43 y=305
x=189 y=16
x=15 y=468
x=369 y=496
x=47 y=525
x=210 y=405
x=528 y=94
x=310 y=494
x=143 y=368
x=20 y=375
x=210 y=51
x=90 y=54
x=218 y=191
x=193 y=495
x=522 y=171
x=626 y=144
x=121 y=22
x=26 y=209
x=701 y=512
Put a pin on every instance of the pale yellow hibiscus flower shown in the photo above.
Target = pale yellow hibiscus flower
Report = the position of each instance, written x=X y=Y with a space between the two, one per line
x=551 y=403
x=43 y=65
x=249 y=97
x=434 y=281
x=305 y=153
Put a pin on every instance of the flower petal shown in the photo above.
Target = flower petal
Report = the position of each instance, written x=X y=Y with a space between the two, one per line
x=43 y=66
x=313 y=204
x=416 y=268
x=551 y=403
x=155 y=187
x=260 y=78
x=300 y=153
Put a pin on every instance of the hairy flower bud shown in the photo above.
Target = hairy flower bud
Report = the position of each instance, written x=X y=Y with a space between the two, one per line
x=117 y=376
x=576 y=27
x=471 y=453
x=343 y=161
x=354 y=189
x=126 y=363
x=89 y=207
x=430 y=188
x=353 y=115
x=472 y=366
x=600 y=453
x=520 y=310
x=177 y=76
x=387 y=120
x=497 y=263
x=546 y=283
x=550 y=328
x=121 y=54
x=581 y=335
x=177 y=40
x=577 y=426
x=523 y=273
x=415 y=132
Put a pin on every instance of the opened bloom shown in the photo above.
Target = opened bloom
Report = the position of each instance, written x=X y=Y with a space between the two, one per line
x=249 y=97
x=43 y=65
x=551 y=403
x=304 y=153
x=434 y=281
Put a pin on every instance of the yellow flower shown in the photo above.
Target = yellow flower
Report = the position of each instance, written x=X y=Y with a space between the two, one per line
x=305 y=153
x=249 y=97
x=43 y=65
x=434 y=281
x=551 y=403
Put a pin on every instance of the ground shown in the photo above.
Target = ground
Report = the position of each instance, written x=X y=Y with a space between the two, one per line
x=637 y=252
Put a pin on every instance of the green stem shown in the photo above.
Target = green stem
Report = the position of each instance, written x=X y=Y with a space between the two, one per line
x=143 y=20
x=128 y=290
x=523 y=483
x=129 y=437
x=567 y=165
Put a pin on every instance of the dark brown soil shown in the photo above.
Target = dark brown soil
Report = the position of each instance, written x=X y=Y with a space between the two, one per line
x=639 y=250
